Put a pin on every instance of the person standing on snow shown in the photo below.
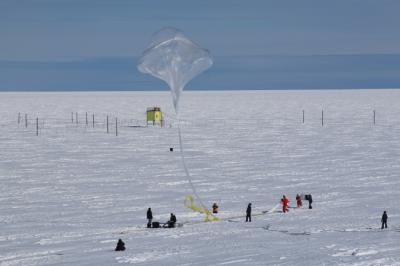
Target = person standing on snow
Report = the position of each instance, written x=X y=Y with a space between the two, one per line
x=248 y=213
x=285 y=204
x=149 y=217
x=384 y=220
x=298 y=200
x=309 y=198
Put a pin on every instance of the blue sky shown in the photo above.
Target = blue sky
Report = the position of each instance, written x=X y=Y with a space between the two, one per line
x=94 y=44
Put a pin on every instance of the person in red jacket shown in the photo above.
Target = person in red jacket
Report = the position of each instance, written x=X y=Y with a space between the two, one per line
x=298 y=200
x=285 y=204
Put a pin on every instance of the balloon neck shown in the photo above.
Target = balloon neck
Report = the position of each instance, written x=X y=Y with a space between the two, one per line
x=176 y=92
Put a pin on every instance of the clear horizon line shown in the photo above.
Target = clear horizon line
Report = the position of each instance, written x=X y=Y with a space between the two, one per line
x=83 y=58
x=196 y=90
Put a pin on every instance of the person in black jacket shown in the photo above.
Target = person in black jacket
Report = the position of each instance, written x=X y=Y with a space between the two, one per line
x=172 y=221
x=149 y=217
x=248 y=213
x=384 y=220
x=120 y=245
x=215 y=208
x=309 y=199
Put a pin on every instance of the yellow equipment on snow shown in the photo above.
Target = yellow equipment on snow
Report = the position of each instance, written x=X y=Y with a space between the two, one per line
x=189 y=203
x=154 y=115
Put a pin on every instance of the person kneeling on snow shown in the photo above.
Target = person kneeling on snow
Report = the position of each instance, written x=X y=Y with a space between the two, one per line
x=172 y=221
x=120 y=245
x=285 y=204
x=215 y=208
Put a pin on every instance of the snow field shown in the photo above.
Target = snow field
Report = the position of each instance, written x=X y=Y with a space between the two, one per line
x=67 y=195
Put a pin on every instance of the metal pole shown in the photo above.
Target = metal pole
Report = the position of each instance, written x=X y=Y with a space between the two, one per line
x=37 y=126
x=86 y=119
x=374 y=117
x=116 y=126
x=303 y=116
x=26 y=120
x=322 y=117
x=76 y=116
x=107 y=125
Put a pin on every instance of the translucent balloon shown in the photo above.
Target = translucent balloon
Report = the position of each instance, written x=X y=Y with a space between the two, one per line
x=172 y=57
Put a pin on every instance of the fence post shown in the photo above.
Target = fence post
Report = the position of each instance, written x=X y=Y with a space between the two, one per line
x=26 y=120
x=76 y=117
x=374 y=117
x=19 y=118
x=86 y=120
x=322 y=117
x=303 y=116
x=107 y=125
x=72 y=117
x=93 y=120
x=37 y=126
x=116 y=126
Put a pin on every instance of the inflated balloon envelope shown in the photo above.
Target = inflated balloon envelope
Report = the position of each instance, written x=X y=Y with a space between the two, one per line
x=174 y=58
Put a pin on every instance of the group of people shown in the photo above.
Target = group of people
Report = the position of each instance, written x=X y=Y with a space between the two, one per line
x=285 y=208
x=170 y=223
x=285 y=204
x=299 y=202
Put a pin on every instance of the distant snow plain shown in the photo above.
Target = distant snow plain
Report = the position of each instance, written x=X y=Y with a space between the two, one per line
x=68 y=195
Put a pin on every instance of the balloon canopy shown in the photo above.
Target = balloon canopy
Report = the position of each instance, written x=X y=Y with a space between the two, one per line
x=172 y=57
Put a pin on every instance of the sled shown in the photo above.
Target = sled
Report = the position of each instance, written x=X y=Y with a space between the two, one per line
x=164 y=225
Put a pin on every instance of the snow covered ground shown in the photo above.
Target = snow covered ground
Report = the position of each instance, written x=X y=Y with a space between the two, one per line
x=67 y=195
